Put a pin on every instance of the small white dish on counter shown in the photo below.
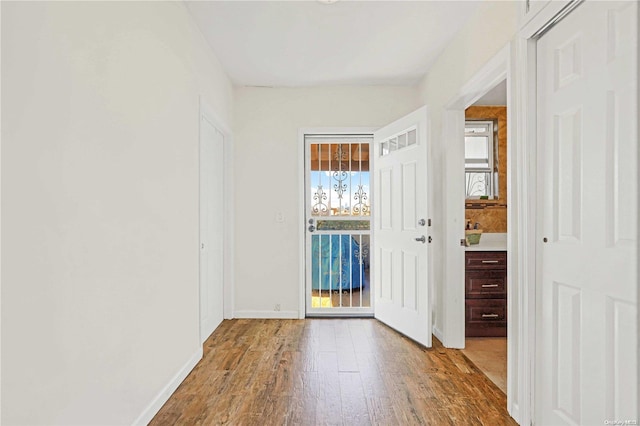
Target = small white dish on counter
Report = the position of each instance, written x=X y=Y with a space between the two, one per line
x=490 y=242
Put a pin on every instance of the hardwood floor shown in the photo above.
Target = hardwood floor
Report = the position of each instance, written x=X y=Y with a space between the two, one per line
x=330 y=371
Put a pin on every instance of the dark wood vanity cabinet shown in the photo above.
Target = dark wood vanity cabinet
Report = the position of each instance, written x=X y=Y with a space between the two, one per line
x=486 y=294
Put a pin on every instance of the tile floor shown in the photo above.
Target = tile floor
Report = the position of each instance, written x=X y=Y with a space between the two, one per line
x=489 y=354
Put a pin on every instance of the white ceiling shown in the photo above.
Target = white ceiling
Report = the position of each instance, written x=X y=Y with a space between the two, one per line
x=495 y=96
x=309 y=43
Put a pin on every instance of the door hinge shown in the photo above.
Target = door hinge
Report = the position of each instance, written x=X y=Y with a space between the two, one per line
x=430 y=239
x=429 y=222
x=463 y=242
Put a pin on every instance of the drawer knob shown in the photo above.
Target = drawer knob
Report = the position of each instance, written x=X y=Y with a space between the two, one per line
x=489 y=315
x=489 y=285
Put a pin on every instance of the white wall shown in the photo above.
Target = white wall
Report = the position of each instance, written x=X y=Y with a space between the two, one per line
x=99 y=205
x=476 y=43
x=267 y=152
x=491 y=28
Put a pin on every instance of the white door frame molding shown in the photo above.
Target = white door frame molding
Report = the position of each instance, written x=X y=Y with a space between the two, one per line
x=213 y=118
x=486 y=79
x=302 y=219
x=497 y=69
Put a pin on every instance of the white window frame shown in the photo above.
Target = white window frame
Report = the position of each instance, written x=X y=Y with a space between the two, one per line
x=489 y=170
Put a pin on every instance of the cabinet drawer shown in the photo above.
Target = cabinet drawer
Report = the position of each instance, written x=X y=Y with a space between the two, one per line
x=486 y=284
x=486 y=260
x=486 y=311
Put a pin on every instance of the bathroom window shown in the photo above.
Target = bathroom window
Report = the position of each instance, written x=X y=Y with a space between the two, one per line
x=479 y=162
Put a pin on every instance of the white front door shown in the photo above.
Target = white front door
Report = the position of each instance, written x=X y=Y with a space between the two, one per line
x=400 y=227
x=211 y=227
x=586 y=334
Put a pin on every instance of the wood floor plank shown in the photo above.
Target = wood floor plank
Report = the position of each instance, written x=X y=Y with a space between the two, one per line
x=330 y=372
x=329 y=406
x=285 y=381
x=381 y=411
x=354 y=403
x=371 y=376
x=346 y=355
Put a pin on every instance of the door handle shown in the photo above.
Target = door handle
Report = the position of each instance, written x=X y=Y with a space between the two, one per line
x=312 y=228
x=421 y=239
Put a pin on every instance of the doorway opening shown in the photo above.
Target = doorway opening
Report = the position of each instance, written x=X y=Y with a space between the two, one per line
x=496 y=304
x=346 y=197
x=485 y=201
x=212 y=220
x=338 y=225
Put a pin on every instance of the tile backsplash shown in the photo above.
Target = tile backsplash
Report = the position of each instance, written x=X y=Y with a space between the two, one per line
x=491 y=219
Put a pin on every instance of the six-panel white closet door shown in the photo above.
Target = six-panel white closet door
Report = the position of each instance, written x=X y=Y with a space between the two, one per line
x=586 y=365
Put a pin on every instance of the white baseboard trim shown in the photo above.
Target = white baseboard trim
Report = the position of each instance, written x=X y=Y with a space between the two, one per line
x=438 y=334
x=156 y=404
x=267 y=314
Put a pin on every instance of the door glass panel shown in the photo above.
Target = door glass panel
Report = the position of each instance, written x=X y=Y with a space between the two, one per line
x=402 y=141
x=393 y=144
x=385 y=148
x=411 y=137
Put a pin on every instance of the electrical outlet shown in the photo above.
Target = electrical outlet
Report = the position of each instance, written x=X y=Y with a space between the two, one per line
x=277 y=307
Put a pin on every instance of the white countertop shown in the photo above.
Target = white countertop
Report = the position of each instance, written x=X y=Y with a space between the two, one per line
x=490 y=242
